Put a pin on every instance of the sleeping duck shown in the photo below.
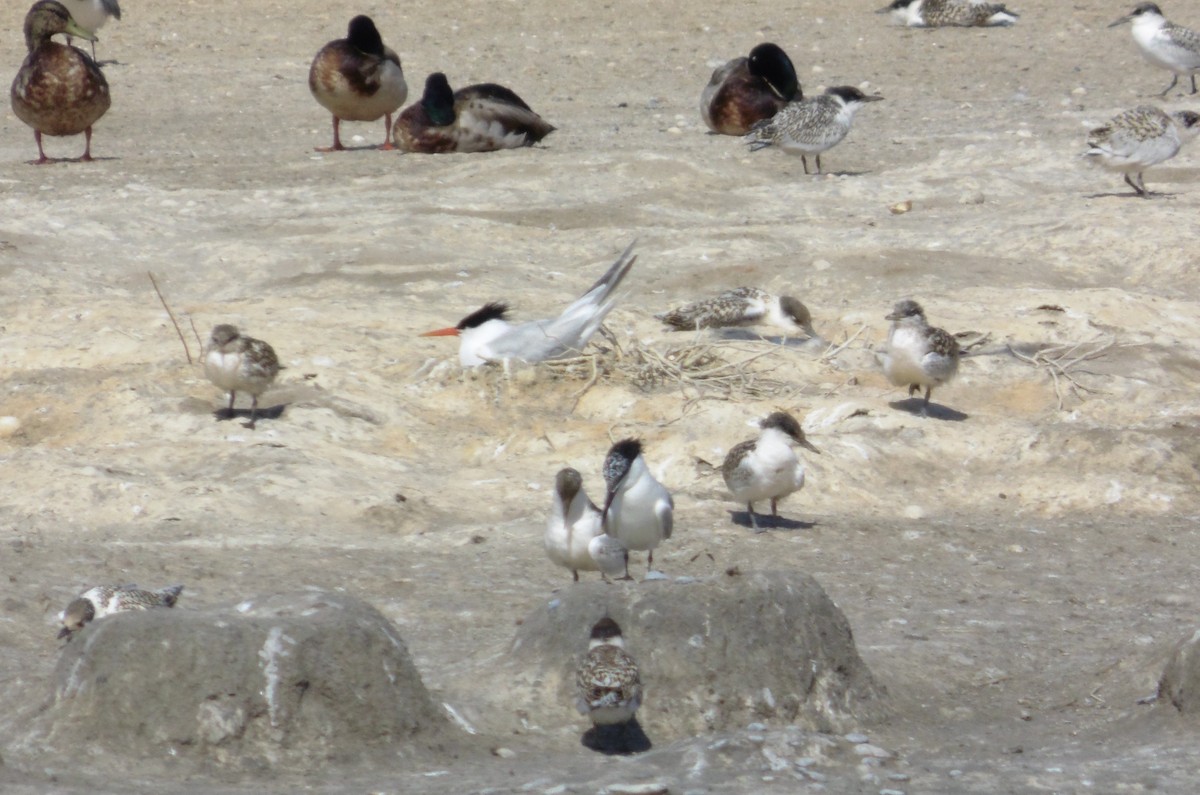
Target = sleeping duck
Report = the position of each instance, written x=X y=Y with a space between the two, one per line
x=59 y=90
x=358 y=78
x=748 y=90
x=479 y=118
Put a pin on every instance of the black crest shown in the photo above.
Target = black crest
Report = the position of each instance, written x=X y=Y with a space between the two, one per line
x=489 y=311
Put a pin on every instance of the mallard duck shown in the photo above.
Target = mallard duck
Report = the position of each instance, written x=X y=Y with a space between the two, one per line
x=59 y=90
x=479 y=118
x=358 y=78
x=91 y=15
x=748 y=90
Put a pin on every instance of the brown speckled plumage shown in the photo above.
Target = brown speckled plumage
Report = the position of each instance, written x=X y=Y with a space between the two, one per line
x=58 y=90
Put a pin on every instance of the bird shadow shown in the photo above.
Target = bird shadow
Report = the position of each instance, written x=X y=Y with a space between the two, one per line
x=50 y=161
x=768 y=522
x=937 y=411
x=329 y=150
x=272 y=413
x=746 y=335
x=618 y=739
x=1154 y=194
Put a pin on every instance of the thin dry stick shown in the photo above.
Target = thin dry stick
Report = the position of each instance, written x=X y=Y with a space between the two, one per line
x=199 y=342
x=171 y=315
x=832 y=352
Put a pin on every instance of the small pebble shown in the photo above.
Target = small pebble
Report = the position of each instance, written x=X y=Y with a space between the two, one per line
x=856 y=738
x=655 y=575
x=866 y=749
x=504 y=753
x=9 y=425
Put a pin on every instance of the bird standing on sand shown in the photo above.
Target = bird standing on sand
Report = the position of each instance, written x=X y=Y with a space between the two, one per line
x=1173 y=47
x=575 y=538
x=607 y=681
x=638 y=510
x=767 y=467
x=479 y=118
x=487 y=336
x=58 y=90
x=743 y=306
x=748 y=90
x=1139 y=138
x=949 y=14
x=811 y=126
x=918 y=355
x=237 y=363
x=104 y=600
x=358 y=78
x=91 y=15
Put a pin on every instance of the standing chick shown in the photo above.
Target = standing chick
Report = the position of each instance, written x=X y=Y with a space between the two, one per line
x=240 y=364
x=608 y=683
x=767 y=467
x=1139 y=138
x=811 y=126
x=918 y=354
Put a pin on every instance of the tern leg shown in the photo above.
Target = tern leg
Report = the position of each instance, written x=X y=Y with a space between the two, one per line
x=626 y=577
x=387 y=133
x=1193 y=83
x=650 y=561
x=253 y=412
x=774 y=506
x=1174 y=80
x=753 y=519
x=232 y=397
x=575 y=574
x=818 y=165
x=804 y=160
x=913 y=389
x=925 y=405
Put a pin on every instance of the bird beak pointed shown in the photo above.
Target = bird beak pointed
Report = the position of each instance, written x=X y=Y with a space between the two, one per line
x=1120 y=21
x=873 y=98
x=884 y=10
x=64 y=633
x=809 y=445
x=442 y=332
x=74 y=29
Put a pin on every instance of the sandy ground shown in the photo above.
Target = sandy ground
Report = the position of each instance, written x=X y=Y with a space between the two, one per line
x=1015 y=568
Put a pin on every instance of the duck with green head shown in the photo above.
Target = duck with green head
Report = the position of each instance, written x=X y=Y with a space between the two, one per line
x=58 y=90
x=478 y=118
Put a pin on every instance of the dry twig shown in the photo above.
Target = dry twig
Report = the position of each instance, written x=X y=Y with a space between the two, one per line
x=1061 y=360
x=171 y=315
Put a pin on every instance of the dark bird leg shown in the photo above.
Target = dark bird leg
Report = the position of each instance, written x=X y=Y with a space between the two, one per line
x=925 y=405
x=650 y=561
x=575 y=574
x=1193 y=84
x=42 y=159
x=87 y=146
x=818 y=165
x=804 y=160
x=232 y=397
x=1174 y=80
x=387 y=133
x=253 y=412
x=913 y=389
x=774 y=506
x=626 y=577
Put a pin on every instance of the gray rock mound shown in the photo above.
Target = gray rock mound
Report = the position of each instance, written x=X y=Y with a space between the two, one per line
x=296 y=680
x=1180 y=680
x=714 y=654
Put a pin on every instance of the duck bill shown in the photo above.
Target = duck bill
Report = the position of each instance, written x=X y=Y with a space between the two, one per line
x=443 y=332
x=74 y=29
